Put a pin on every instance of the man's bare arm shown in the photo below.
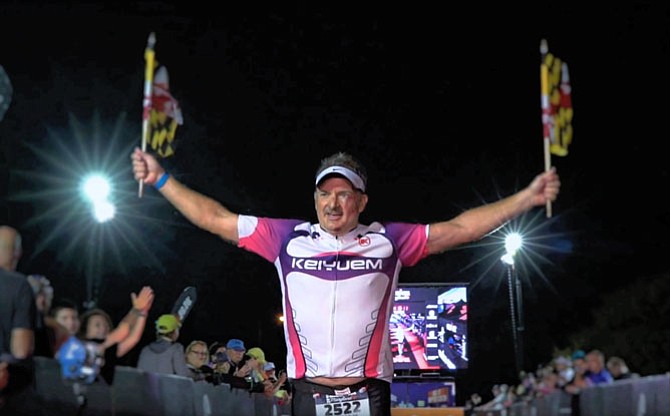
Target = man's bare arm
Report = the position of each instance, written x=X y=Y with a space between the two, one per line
x=22 y=343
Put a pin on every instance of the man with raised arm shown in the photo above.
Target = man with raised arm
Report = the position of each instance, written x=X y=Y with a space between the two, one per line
x=338 y=276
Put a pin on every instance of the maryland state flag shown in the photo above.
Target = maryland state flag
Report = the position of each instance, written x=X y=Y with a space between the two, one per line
x=556 y=102
x=165 y=115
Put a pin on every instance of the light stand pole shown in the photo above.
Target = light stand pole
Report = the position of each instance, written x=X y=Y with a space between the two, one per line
x=513 y=243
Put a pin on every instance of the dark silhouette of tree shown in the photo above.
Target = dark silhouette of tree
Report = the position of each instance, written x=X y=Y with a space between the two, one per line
x=630 y=323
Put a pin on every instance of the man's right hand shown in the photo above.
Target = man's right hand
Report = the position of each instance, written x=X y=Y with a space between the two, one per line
x=145 y=167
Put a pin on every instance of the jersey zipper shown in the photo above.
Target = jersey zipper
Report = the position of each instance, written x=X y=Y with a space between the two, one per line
x=338 y=243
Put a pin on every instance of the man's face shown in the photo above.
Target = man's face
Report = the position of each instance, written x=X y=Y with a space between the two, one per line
x=594 y=363
x=235 y=355
x=338 y=205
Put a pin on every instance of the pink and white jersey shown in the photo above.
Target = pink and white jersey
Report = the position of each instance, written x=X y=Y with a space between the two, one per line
x=337 y=291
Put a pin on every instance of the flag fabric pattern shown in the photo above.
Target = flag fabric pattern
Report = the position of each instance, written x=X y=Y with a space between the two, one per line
x=557 y=109
x=165 y=115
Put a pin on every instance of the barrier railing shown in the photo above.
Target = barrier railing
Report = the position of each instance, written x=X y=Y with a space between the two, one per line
x=137 y=393
x=643 y=396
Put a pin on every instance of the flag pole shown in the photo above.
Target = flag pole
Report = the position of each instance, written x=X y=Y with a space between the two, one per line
x=149 y=57
x=546 y=109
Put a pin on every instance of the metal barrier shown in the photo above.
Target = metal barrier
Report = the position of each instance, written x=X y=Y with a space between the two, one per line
x=642 y=396
x=139 y=393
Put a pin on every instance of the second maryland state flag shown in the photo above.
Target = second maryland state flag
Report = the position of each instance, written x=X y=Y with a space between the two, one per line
x=165 y=115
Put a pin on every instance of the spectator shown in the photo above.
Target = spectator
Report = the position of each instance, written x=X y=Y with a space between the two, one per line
x=256 y=360
x=197 y=358
x=231 y=366
x=564 y=370
x=165 y=355
x=66 y=313
x=49 y=334
x=270 y=371
x=578 y=382
x=217 y=355
x=471 y=404
x=499 y=392
x=10 y=248
x=548 y=381
x=596 y=372
x=280 y=388
x=619 y=369
x=235 y=365
x=96 y=326
x=17 y=322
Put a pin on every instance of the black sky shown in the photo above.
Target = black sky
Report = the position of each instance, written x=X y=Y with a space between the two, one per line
x=443 y=105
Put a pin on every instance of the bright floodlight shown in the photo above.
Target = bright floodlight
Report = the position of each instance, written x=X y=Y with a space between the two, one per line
x=513 y=243
x=508 y=259
x=96 y=188
x=103 y=211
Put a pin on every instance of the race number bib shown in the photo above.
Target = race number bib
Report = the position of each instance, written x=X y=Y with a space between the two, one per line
x=356 y=404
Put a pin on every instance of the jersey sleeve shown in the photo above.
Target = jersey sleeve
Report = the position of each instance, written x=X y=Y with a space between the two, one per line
x=264 y=236
x=410 y=240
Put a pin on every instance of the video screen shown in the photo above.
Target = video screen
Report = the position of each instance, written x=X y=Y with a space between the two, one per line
x=429 y=327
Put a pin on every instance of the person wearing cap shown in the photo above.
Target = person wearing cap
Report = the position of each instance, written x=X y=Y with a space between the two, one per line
x=165 y=355
x=279 y=387
x=256 y=361
x=270 y=371
x=259 y=374
x=234 y=366
x=236 y=370
x=337 y=275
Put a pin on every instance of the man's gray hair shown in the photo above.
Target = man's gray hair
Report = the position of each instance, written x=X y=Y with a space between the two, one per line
x=345 y=160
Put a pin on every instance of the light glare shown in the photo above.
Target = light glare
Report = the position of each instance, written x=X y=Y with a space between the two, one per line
x=103 y=211
x=513 y=243
x=96 y=188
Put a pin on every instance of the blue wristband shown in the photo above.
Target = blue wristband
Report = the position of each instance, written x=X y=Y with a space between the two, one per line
x=162 y=180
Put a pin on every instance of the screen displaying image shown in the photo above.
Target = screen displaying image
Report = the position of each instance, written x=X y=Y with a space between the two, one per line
x=429 y=327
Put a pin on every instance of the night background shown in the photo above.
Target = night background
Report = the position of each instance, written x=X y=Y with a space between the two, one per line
x=443 y=107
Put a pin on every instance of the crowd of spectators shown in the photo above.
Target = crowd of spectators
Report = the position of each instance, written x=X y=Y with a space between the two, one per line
x=570 y=374
x=35 y=323
x=53 y=321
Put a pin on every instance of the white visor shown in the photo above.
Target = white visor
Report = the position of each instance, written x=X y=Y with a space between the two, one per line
x=353 y=177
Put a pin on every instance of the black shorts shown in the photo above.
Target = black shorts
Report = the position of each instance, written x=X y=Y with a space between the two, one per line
x=303 y=404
